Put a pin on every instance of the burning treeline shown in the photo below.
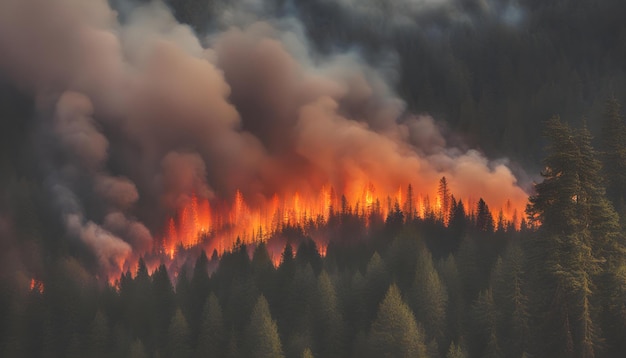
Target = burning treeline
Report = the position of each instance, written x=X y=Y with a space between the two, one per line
x=151 y=136
x=219 y=227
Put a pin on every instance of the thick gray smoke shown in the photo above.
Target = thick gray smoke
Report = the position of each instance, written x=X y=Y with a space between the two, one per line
x=144 y=113
x=86 y=153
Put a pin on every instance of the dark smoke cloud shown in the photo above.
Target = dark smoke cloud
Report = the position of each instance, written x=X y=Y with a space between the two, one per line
x=76 y=131
x=143 y=115
x=118 y=191
x=136 y=233
x=86 y=150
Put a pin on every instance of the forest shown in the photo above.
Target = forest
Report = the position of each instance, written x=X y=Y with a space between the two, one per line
x=450 y=284
x=540 y=83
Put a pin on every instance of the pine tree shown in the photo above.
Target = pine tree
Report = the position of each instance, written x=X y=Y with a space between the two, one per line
x=178 y=340
x=445 y=200
x=409 y=205
x=394 y=332
x=593 y=206
x=613 y=314
x=286 y=258
x=98 y=341
x=552 y=206
x=142 y=276
x=607 y=246
x=346 y=210
x=141 y=305
x=428 y=297
x=455 y=351
x=308 y=254
x=354 y=305
x=327 y=323
x=239 y=302
x=307 y=353
x=468 y=263
x=211 y=340
x=261 y=261
x=262 y=339
x=510 y=296
x=263 y=271
x=501 y=223
x=484 y=219
x=458 y=221
x=183 y=290
x=137 y=350
x=200 y=286
x=484 y=322
x=164 y=304
x=395 y=220
x=284 y=277
x=449 y=275
x=577 y=241
x=376 y=283
x=300 y=296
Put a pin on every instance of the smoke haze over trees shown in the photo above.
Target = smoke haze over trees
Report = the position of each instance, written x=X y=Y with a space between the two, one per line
x=445 y=117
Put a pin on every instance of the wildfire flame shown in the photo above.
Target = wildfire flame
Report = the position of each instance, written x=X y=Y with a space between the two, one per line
x=198 y=223
x=36 y=285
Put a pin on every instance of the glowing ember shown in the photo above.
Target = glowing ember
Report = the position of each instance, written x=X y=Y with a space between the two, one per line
x=322 y=248
x=36 y=285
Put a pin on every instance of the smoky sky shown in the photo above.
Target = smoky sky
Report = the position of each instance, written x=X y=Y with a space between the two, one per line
x=141 y=112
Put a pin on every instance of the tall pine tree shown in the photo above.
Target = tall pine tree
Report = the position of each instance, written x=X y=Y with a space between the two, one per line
x=262 y=339
x=578 y=238
x=394 y=332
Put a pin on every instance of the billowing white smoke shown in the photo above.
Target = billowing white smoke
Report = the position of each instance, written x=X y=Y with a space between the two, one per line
x=142 y=114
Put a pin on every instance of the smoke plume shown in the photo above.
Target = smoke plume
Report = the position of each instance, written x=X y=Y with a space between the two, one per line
x=144 y=114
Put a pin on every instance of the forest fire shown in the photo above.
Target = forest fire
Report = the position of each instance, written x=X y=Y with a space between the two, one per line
x=321 y=178
x=218 y=226
x=171 y=142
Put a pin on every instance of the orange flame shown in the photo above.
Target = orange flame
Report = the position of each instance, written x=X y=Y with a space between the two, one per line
x=191 y=223
x=196 y=223
x=36 y=285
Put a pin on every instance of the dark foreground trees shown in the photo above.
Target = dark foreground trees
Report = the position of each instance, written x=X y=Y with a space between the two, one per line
x=577 y=253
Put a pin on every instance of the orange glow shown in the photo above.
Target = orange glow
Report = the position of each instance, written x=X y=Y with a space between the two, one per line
x=36 y=285
x=198 y=223
x=322 y=248
x=276 y=257
x=399 y=197
x=369 y=197
x=192 y=222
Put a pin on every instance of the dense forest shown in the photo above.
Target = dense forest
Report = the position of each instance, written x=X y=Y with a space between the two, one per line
x=457 y=282
x=451 y=284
